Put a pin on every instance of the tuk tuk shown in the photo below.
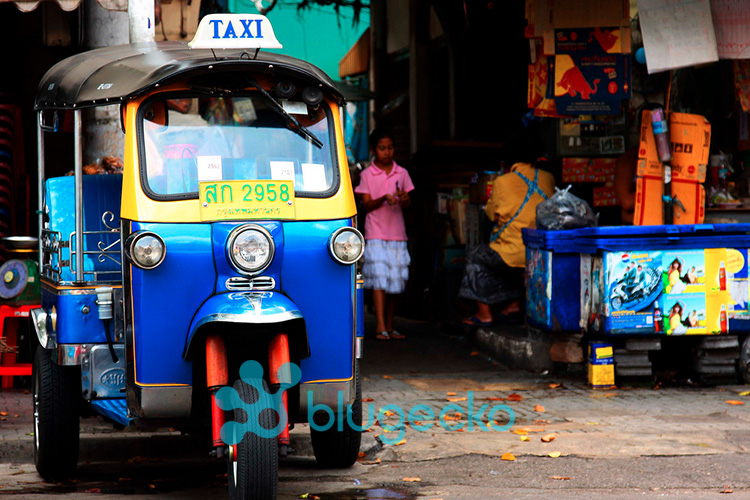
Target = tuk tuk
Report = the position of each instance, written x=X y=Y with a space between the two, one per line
x=212 y=285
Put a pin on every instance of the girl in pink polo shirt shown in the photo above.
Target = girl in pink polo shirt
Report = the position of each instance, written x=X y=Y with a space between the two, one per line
x=384 y=189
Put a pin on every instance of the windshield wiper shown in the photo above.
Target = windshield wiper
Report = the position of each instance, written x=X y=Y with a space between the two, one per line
x=291 y=122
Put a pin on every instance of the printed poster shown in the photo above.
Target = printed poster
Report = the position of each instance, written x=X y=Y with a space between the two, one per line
x=591 y=75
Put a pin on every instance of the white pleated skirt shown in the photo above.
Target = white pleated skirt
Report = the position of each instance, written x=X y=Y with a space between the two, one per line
x=386 y=265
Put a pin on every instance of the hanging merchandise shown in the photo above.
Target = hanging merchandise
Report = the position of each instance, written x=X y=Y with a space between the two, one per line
x=690 y=138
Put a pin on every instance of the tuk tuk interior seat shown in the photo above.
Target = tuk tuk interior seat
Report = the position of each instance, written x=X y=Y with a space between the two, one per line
x=101 y=194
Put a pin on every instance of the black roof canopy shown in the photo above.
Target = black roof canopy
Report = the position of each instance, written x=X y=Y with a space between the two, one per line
x=113 y=74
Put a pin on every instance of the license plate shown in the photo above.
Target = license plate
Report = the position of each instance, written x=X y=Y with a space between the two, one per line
x=232 y=200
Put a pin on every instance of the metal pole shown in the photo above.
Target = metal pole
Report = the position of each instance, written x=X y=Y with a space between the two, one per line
x=78 y=168
x=40 y=185
x=141 y=16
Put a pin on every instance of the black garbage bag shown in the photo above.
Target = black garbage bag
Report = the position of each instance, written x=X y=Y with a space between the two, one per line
x=564 y=210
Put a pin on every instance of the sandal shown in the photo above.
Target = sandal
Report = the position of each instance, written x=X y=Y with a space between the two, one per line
x=474 y=321
x=395 y=335
x=382 y=336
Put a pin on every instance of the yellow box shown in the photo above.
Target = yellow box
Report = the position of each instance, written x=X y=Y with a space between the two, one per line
x=601 y=376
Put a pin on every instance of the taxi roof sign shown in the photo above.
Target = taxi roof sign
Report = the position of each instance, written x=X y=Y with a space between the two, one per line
x=235 y=31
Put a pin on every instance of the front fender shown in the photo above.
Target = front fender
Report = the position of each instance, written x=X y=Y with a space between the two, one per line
x=243 y=307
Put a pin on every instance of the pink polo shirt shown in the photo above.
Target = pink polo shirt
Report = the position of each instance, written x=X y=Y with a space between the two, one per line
x=387 y=221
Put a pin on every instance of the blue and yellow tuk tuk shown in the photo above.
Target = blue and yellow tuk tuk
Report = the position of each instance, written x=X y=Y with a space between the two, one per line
x=212 y=284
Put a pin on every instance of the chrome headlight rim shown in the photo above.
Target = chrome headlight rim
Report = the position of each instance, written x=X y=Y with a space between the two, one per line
x=135 y=238
x=332 y=240
x=230 y=243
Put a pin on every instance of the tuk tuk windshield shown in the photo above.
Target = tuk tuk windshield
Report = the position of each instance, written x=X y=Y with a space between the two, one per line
x=188 y=140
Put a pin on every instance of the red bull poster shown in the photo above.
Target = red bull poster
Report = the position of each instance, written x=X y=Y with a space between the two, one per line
x=591 y=75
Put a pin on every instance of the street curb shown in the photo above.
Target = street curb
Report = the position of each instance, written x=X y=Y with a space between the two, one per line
x=516 y=346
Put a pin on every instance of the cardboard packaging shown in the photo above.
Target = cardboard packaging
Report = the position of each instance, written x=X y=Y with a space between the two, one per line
x=601 y=365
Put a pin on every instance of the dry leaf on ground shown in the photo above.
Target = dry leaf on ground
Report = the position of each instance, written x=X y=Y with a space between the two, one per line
x=727 y=489
x=450 y=393
x=521 y=432
x=474 y=353
x=744 y=393
x=540 y=421
x=456 y=400
x=362 y=454
x=555 y=386
x=371 y=462
x=387 y=376
x=539 y=408
x=554 y=454
x=560 y=478
x=515 y=397
x=734 y=402
x=367 y=400
x=455 y=416
x=412 y=479
x=525 y=438
x=508 y=456
x=548 y=438
x=403 y=441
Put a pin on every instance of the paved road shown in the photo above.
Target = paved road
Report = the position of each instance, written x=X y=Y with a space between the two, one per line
x=672 y=441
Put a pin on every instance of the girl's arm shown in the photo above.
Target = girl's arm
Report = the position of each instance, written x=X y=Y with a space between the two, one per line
x=369 y=204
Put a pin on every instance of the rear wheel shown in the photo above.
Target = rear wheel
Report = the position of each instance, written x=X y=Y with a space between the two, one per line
x=253 y=473
x=57 y=398
x=339 y=449
x=743 y=364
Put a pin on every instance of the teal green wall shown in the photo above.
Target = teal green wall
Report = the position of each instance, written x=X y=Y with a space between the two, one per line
x=317 y=35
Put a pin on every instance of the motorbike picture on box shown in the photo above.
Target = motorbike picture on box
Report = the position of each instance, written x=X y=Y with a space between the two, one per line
x=638 y=288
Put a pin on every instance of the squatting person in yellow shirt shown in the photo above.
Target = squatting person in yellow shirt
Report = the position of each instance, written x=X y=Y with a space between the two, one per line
x=493 y=276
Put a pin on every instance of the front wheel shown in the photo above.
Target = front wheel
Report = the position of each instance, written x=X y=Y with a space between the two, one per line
x=253 y=473
x=56 y=395
x=339 y=449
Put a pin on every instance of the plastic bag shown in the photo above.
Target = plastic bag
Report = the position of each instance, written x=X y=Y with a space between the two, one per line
x=564 y=210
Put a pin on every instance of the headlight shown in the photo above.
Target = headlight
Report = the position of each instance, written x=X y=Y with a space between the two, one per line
x=250 y=248
x=146 y=249
x=346 y=245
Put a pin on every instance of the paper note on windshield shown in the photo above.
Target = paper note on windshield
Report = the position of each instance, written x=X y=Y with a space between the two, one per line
x=677 y=33
x=282 y=170
x=209 y=168
x=314 y=177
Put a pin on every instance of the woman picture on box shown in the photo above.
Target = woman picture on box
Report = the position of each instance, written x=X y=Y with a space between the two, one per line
x=693 y=319
x=675 y=320
x=674 y=275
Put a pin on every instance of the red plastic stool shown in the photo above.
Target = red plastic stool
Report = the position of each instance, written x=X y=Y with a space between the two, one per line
x=8 y=366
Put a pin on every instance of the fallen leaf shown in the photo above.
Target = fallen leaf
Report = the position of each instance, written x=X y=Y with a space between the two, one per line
x=389 y=413
x=727 y=489
x=403 y=441
x=508 y=456
x=456 y=400
x=474 y=353
x=734 y=402
x=515 y=397
x=367 y=400
x=387 y=376
x=455 y=416
x=93 y=490
x=548 y=438
x=18 y=473
x=592 y=423
x=521 y=432
x=539 y=408
x=371 y=462
x=412 y=479
x=450 y=393
x=525 y=438
x=554 y=454
x=3 y=413
x=540 y=421
x=560 y=478
x=555 y=386
x=152 y=486
x=362 y=454
x=16 y=416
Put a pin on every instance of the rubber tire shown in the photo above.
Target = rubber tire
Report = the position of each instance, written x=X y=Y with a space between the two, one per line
x=618 y=305
x=743 y=363
x=336 y=449
x=257 y=463
x=56 y=398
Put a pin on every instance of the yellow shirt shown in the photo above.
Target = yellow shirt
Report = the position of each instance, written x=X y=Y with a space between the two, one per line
x=508 y=193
